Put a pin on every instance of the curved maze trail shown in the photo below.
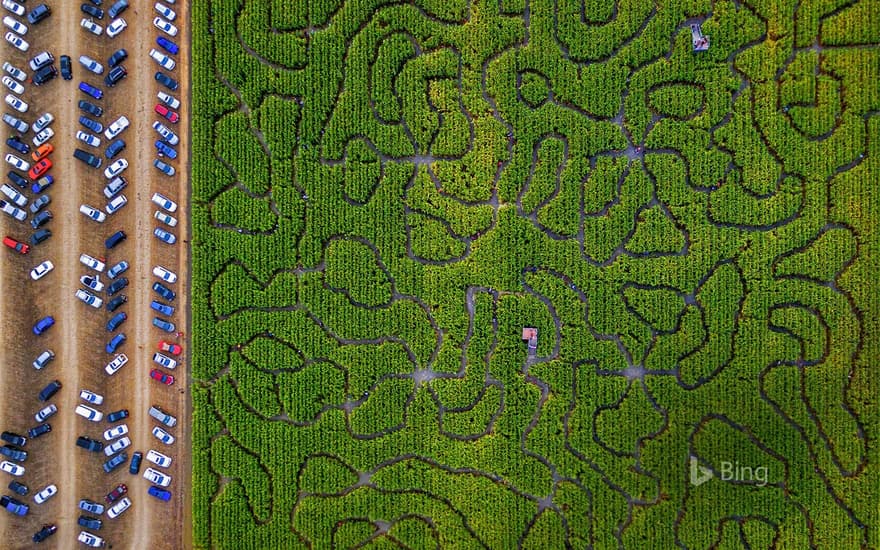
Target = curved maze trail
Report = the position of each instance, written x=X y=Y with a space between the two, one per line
x=385 y=195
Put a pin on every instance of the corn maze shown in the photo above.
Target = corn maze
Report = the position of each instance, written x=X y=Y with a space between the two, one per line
x=386 y=194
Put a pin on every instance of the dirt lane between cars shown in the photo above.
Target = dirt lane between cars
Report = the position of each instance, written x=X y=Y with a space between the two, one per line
x=79 y=336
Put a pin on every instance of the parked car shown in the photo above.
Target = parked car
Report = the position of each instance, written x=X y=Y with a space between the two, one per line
x=39 y=13
x=163 y=149
x=118 y=166
x=115 y=431
x=92 y=125
x=91 y=507
x=91 y=397
x=163 y=291
x=115 y=342
x=66 y=69
x=10 y=504
x=135 y=466
x=116 y=26
x=168 y=100
x=117 y=509
x=115 y=462
x=14 y=469
x=117 y=269
x=89 y=444
x=116 y=286
x=89 y=413
x=164 y=202
x=91 y=26
x=156 y=477
x=116 y=416
x=41 y=167
x=162 y=435
x=162 y=416
x=41 y=60
x=167 y=134
x=116 y=74
x=48 y=492
x=90 y=108
x=90 y=540
x=158 y=492
x=43 y=136
x=93 y=263
x=43 y=359
x=92 y=213
x=162 y=377
x=14 y=7
x=16 y=123
x=163 y=325
x=14 y=196
x=92 y=282
x=170 y=347
x=17 y=179
x=15 y=212
x=45 y=532
x=87 y=88
x=159 y=459
x=164 y=11
x=113 y=304
x=117 y=57
x=117 y=8
x=166 y=81
x=12 y=84
x=164 y=361
x=92 y=160
x=116 y=364
x=167 y=45
x=89 y=522
x=42 y=326
x=13 y=453
x=114 y=148
x=165 y=26
x=116 y=446
x=39 y=430
x=43 y=75
x=20 y=247
x=164 y=309
x=116 y=321
x=14 y=439
x=113 y=240
x=14 y=71
x=15 y=25
x=167 y=219
x=45 y=412
x=39 y=203
x=163 y=60
x=92 y=11
x=40 y=236
x=18 y=488
x=16 y=143
x=41 y=270
x=164 y=236
x=17 y=162
x=42 y=151
x=117 y=493
x=91 y=65
x=164 y=111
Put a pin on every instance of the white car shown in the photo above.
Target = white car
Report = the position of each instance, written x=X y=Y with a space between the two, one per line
x=158 y=459
x=118 y=445
x=15 y=25
x=92 y=213
x=92 y=282
x=157 y=478
x=43 y=136
x=165 y=26
x=116 y=26
x=168 y=99
x=114 y=511
x=11 y=468
x=14 y=71
x=162 y=435
x=164 y=202
x=17 y=198
x=166 y=133
x=90 y=540
x=114 y=205
x=89 y=413
x=116 y=364
x=17 y=41
x=42 y=360
x=14 y=7
x=115 y=431
x=91 y=26
x=14 y=85
x=13 y=211
x=163 y=60
x=164 y=361
x=45 y=412
x=41 y=270
x=165 y=274
x=16 y=103
x=18 y=163
x=116 y=127
x=43 y=121
x=91 y=397
x=89 y=299
x=165 y=11
x=93 y=263
x=167 y=219
x=88 y=138
x=118 y=167
x=45 y=494
x=91 y=65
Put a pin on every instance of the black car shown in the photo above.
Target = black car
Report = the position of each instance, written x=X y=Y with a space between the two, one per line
x=49 y=391
x=117 y=57
x=163 y=291
x=37 y=431
x=66 y=70
x=14 y=439
x=116 y=286
x=114 y=148
x=135 y=467
x=44 y=74
x=40 y=236
x=38 y=14
x=90 y=523
x=88 y=158
x=166 y=81
x=90 y=108
x=18 y=145
x=41 y=219
x=89 y=9
x=13 y=453
x=17 y=179
x=44 y=533
x=116 y=416
x=18 y=488
x=115 y=75
x=111 y=242
x=117 y=8
x=89 y=444
x=114 y=304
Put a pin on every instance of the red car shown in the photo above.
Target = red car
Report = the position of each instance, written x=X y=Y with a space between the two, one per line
x=22 y=248
x=116 y=493
x=40 y=168
x=166 y=379
x=167 y=113
x=170 y=347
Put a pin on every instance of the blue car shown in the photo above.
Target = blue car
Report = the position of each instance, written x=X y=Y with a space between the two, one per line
x=114 y=148
x=135 y=467
x=161 y=494
x=92 y=125
x=117 y=269
x=163 y=167
x=115 y=462
x=90 y=506
x=164 y=236
x=87 y=88
x=15 y=506
x=115 y=342
x=168 y=45
x=115 y=321
x=163 y=324
x=165 y=149
x=164 y=309
x=43 y=325
x=163 y=291
x=166 y=80
x=42 y=184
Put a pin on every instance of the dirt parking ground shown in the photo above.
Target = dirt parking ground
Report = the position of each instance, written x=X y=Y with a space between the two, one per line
x=79 y=336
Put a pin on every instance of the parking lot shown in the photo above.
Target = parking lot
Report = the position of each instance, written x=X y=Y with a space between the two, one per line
x=79 y=335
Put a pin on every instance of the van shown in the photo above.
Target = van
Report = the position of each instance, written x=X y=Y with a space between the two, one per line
x=162 y=416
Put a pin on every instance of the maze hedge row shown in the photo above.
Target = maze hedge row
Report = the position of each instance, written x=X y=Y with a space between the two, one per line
x=385 y=194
